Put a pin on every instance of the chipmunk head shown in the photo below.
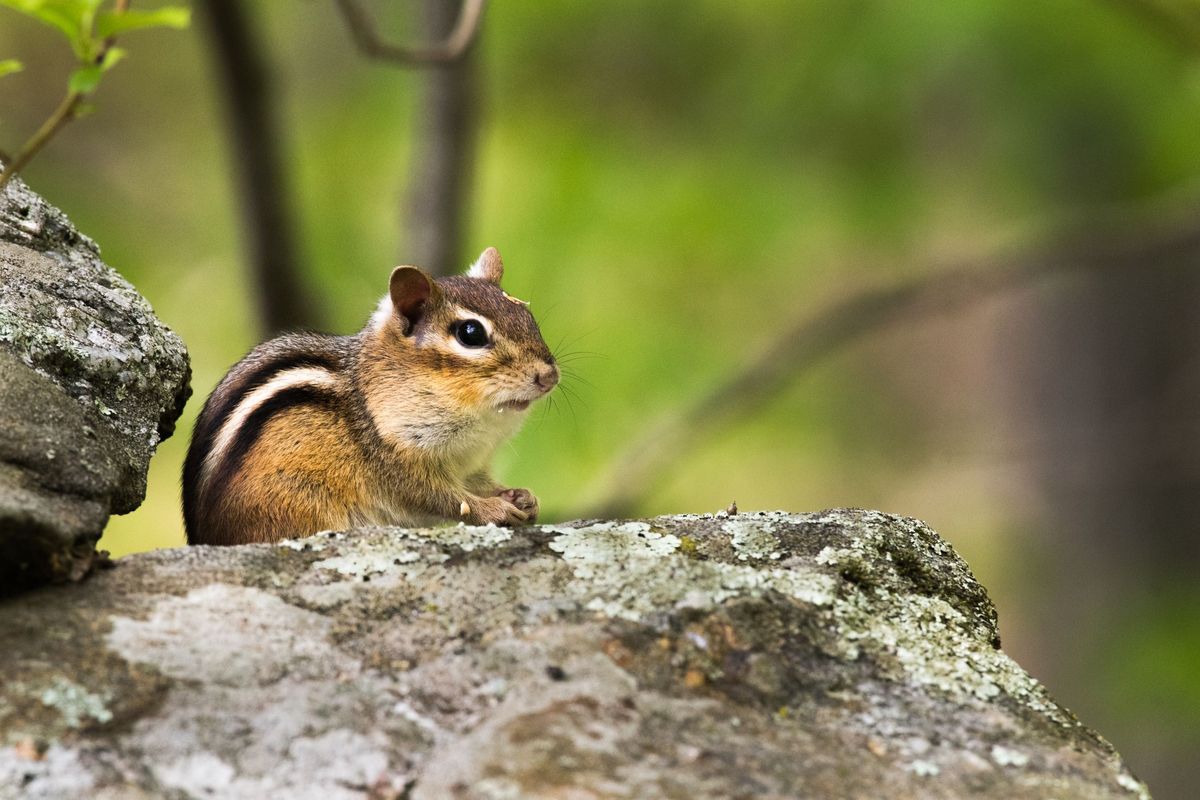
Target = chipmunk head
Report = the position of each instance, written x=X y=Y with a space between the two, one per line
x=482 y=344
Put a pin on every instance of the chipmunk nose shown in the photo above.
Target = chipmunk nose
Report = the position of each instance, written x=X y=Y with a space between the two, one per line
x=546 y=377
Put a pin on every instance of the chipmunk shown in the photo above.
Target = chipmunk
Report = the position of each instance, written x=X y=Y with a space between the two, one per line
x=395 y=425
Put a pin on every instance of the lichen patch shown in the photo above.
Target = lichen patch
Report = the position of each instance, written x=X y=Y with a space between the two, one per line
x=592 y=549
x=229 y=635
x=364 y=563
x=1008 y=756
x=629 y=571
x=470 y=537
x=405 y=552
x=1132 y=784
x=77 y=705
x=752 y=538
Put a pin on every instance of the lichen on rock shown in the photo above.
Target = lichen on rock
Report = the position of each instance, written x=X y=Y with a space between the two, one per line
x=840 y=654
x=90 y=382
x=622 y=570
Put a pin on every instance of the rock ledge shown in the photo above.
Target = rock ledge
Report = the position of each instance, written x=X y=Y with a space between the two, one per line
x=844 y=653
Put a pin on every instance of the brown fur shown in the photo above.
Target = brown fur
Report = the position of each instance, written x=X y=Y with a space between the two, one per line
x=397 y=425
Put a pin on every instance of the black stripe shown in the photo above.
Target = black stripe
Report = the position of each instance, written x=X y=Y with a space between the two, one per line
x=213 y=415
x=251 y=429
x=260 y=377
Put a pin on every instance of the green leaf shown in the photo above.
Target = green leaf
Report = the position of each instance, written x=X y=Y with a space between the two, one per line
x=109 y=23
x=111 y=57
x=85 y=79
x=71 y=17
x=10 y=65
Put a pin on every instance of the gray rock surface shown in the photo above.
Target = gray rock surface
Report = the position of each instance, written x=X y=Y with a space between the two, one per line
x=90 y=383
x=841 y=654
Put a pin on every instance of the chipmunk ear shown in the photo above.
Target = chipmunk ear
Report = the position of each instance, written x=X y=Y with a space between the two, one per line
x=412 y=292
x=488 y=266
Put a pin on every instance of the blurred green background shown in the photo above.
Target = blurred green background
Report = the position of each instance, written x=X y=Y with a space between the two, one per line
x=673 y=185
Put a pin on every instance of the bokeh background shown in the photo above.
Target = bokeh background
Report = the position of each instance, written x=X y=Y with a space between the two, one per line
x=941 y=259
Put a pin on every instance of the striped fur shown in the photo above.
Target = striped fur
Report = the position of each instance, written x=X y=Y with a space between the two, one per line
x=395 y=425
x=258 y=383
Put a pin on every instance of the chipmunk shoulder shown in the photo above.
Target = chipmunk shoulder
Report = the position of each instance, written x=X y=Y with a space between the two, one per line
x=395 y=425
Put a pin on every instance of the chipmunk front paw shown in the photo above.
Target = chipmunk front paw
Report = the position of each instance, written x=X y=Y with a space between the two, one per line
x=523 y=499
x=493 y=511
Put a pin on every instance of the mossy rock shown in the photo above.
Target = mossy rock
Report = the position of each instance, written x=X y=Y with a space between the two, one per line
x=839 y=654
x=90 y=382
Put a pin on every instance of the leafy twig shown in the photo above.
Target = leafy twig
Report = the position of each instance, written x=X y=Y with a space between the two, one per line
x=67 y=110
x=92 y=34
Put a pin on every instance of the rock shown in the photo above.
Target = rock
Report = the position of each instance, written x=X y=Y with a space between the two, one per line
x=838 y=654
x=90 y=383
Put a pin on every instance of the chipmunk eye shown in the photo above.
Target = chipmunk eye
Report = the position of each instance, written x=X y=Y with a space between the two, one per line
x=471 y=333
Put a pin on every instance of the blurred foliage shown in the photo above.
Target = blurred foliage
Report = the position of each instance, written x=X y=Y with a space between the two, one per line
x=1162 y=634
x=90 y=30
x=671 y=183
x=1151 y=688
x=86 y=23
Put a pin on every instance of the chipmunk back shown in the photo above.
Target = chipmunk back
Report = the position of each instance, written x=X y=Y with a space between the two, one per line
x=395 y=425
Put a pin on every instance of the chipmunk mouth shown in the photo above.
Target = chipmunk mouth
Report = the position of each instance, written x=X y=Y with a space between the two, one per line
x=515 y=405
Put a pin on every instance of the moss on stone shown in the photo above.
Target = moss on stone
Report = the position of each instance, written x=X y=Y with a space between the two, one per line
x=90 y=383
x=601 y=658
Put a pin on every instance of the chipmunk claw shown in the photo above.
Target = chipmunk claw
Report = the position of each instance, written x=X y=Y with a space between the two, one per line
x=524 y=500
x=494 y=511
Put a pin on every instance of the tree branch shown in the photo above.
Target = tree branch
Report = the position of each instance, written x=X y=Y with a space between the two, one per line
x=443 y=155
x=450 y=49
x=284 y=300
x=643 y=466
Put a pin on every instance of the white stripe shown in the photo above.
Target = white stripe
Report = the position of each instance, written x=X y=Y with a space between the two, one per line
x=287 y=379
x=383 y=313
x=462 y=314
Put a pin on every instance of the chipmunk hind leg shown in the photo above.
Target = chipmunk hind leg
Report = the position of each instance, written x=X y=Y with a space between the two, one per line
x=300 y=477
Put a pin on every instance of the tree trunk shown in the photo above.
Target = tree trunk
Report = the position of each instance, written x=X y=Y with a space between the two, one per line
x=255 y=134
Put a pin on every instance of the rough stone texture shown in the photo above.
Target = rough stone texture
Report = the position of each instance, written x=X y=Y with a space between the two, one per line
x=90 y=382
x=839 y=654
